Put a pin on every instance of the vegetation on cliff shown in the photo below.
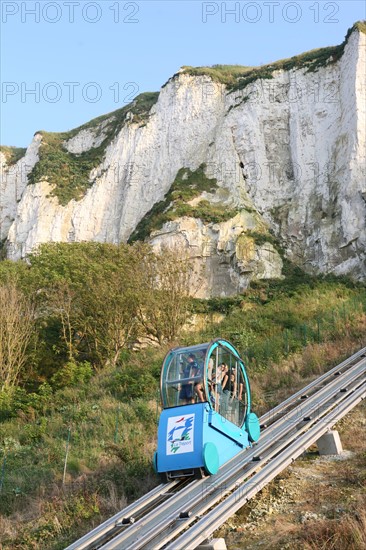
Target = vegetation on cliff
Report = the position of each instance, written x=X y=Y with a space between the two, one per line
x=69 y=173
x=237 y=77
x=187 y=186
x=12 y=154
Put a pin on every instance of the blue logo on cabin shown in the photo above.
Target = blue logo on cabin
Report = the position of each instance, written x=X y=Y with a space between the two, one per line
x=180 y=432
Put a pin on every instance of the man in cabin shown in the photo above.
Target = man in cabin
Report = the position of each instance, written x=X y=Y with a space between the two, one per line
x=191 y=387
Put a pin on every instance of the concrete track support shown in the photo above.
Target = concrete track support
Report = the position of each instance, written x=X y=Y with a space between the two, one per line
x=330 y=443
x=214 y=544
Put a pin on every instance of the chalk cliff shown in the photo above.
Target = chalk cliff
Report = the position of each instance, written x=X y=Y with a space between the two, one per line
x=283 y=147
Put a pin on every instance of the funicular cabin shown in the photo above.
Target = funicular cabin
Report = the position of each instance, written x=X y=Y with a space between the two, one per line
x=206 y=417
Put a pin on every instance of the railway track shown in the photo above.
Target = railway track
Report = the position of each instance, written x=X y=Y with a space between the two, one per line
x=181 y=514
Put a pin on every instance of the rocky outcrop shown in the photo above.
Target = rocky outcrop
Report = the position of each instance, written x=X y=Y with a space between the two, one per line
x=225 y=256
x=287 y=152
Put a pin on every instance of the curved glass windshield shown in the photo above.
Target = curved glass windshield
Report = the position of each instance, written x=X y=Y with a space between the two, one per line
x=211 y=373
x=183 y=376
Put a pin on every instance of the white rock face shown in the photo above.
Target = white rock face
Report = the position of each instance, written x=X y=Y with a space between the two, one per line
x=292 y=148
x=13 y=182
x=137 y=171
x=85 y=140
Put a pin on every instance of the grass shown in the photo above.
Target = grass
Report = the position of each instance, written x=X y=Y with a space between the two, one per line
x=282 y=378
x=337 y=534
x=111 y=444
x=359 y=25
x=113 y=418
x=237 y=77
x=187 y=185
x=12 y=154
x=225 y=74
x=69 y=173
x=272 y=321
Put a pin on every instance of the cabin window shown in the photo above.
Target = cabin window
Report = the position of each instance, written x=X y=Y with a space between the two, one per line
x=226 y=384
x=183 y=377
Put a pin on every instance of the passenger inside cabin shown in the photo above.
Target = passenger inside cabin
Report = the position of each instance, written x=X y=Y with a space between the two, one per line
x=211 y=394
x=190 y=388
x=198 y=386
x=222 y=377
x=230 y=387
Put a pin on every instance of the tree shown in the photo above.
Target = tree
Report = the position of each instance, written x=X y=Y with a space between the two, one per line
x=16 y=332
x=164 y=293
x=91 y=288
x=109 y=313
x=107 y=297
x=61 y=300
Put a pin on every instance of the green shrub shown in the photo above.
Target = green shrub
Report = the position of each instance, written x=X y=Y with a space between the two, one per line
x=72 y=374
x=132 y=383
x=17 y=400
x=33 y=432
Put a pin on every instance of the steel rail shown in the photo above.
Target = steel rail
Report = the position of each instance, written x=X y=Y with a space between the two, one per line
x=174 y=525
x=148 y=527
x=207 y=525
x=178 y=502
x=131 y=510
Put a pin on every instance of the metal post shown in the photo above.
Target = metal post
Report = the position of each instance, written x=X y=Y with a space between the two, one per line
x=66 y=455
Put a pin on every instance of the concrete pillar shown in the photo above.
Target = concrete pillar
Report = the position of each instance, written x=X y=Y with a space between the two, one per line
x=330 y=443
x=214 y=544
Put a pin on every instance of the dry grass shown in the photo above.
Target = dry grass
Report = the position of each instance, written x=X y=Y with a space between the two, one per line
x=113 y=502
x=283 y=379
x=349 y=532
x=49 y=521
x=319 y=503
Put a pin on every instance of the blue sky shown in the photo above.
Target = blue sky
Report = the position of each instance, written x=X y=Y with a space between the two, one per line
x=64 y=62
